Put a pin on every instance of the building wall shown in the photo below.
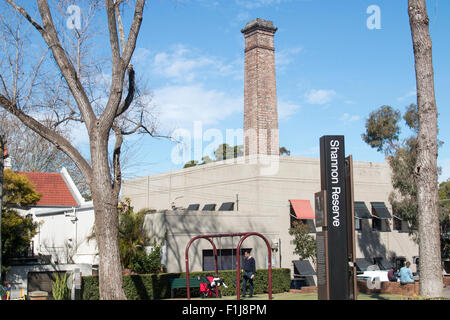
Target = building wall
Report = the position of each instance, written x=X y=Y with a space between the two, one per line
x=263 y=191
x=65 y=237
x=179 y=227
x=18 y=275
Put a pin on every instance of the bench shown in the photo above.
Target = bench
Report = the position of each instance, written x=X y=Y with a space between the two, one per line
x=178 y=283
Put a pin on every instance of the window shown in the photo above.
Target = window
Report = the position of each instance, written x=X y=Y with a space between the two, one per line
x=381 y=225
x=399 y=262
x=226 y=259
x=397 y=224
x=400 y=225
x=357 y=224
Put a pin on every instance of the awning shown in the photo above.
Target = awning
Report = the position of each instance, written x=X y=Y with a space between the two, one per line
x=302 y=209
x=383 y=263
x=193 y=207
x=362 y=264
x=361 y=211
x=303 y=268
x=227 y=206
x=380 y=211
x=209 y=207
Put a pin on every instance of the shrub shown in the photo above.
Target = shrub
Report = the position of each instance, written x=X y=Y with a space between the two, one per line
x=59 y=287
x=157 y=286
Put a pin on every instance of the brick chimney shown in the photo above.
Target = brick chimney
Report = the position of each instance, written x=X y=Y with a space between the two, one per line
x=260 y=93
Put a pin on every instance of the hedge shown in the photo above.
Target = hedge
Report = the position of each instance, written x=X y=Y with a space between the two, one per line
x=157 y=286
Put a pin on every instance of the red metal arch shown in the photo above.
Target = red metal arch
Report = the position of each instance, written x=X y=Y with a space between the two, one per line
x=243 y=236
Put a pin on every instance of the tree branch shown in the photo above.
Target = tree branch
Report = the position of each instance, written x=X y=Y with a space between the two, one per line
x=56 y=139
x=130 y=95
x=112 y=106
x=50 y=36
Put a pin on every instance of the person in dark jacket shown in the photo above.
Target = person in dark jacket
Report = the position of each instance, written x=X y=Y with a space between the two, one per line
x=392 y=275
x=249 y=271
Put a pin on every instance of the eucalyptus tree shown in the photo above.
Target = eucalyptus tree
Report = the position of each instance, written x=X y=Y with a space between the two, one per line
x=426 y=170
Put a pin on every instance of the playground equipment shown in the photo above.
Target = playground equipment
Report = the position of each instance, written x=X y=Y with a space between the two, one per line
x=243 y=236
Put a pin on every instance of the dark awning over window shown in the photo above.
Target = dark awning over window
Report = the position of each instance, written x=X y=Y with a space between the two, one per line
x=227 y=206
x=361 y=210
x=193 y=206
x=303 y=268
x=362 y=264
x=209 y=207
x=383 y=263
x=380 y=211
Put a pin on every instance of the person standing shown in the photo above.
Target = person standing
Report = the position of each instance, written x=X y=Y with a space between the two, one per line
x=6 y=291
x=249 y=271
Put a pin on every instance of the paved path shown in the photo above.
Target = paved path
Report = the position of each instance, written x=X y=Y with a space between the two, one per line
x=446 y=292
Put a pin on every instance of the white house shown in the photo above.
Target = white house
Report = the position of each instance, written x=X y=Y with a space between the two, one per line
x=65 y=220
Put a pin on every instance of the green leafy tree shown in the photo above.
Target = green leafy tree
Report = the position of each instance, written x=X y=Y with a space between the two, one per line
x=305 y=244
x=149 y=263
x=17 y=230
x=206 y=159
x=383 y=134
x=284 y=152
x=133 y=239
x=426 y=168
x=132 y=234
x=191 y=163
x=444 y=199
x=223 y=152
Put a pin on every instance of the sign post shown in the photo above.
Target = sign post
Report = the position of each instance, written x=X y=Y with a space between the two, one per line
x=332 y=241
x=351 y=227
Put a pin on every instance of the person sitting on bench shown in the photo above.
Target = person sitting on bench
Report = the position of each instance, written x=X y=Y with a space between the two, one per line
x=405 y=274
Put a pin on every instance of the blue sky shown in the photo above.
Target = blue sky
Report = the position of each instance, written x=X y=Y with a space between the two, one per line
x=332 y=70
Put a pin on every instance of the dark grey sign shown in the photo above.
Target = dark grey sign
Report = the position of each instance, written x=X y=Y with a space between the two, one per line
x=319 y=209
x=332 y=169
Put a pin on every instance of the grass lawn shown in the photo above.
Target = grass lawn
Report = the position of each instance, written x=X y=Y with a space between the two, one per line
x=312 y=296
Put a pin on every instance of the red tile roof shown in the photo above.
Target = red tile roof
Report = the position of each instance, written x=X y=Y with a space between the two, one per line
x=53 y=188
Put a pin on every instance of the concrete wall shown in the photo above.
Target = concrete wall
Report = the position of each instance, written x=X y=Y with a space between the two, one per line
x=18 y=275
x=63 y=234
x=178 y=227
x=264 y=188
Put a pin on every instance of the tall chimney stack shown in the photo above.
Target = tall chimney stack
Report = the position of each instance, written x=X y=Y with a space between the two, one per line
x=260 y=93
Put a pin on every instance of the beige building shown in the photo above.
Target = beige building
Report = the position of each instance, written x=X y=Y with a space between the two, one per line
x=261 y=204
x=258 y=190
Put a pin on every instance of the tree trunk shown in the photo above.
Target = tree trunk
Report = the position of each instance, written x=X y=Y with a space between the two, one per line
x=426 y=165
x=106 y=222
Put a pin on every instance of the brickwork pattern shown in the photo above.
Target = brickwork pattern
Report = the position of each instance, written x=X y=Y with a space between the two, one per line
x=260 y=96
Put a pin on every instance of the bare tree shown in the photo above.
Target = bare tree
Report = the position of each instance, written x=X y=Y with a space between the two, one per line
x=426 y=170
x=29 y=152
x=116 y=114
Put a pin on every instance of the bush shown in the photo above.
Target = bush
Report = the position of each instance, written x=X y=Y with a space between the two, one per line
x=59 y=287
x=157 y=286
x=148 y=263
